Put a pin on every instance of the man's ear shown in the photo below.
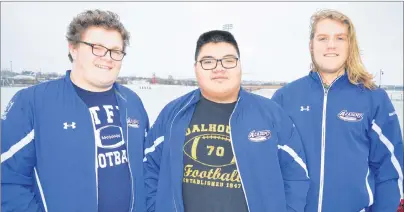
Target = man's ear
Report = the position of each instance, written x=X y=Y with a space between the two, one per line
x=72 y=51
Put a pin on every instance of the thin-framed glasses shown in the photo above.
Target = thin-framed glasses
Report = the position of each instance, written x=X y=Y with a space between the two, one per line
x=211 y=63
x=101 y=51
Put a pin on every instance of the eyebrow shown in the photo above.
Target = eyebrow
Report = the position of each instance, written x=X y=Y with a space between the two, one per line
x=211 y=57
x=229 y=55
x=116 y=48
x=207 y=57
x=338 y=34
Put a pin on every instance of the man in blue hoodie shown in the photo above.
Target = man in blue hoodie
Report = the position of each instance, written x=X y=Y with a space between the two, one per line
x=76 y=143
x=222 y=149
x=349 y=128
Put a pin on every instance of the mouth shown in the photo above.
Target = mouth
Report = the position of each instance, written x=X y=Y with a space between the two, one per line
x=331 y=55
x=219 y=78
x=103 y=67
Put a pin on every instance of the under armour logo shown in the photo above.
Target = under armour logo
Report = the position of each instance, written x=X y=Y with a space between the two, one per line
x=72 y=125
x=307 y=108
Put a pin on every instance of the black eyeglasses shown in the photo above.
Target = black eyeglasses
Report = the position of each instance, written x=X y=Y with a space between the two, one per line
x=211 y=63
x=101 y=51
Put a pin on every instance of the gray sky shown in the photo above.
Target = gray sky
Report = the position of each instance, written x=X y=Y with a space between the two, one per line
x=273 y=36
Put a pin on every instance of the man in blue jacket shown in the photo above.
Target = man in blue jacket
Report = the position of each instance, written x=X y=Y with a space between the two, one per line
x=220 y=148
x=349 y=128
x=76 y=143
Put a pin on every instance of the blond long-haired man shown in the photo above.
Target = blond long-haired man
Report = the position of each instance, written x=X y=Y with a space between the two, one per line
x=349 y=128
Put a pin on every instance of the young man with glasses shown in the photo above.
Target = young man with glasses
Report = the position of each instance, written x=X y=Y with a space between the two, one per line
x=76 y=143
x=349 y=128
x=220 y=148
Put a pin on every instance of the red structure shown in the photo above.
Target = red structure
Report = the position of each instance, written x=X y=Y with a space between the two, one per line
x=154 y=81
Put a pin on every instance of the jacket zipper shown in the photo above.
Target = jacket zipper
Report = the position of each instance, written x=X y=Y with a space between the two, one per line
x=323 y=130
x=234 y=153
x=96 y=160
x=171 y=127
x=130 y=170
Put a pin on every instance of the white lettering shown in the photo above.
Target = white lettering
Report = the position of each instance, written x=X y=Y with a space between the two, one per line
x=117 y=158
x=93 y=111
x=102 y=160
x=111 y=136
x=124 y=158
x=109 y=154
x=110 y=114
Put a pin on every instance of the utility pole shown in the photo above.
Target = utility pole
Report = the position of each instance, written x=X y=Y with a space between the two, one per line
x=11 y=66
x=380 y=78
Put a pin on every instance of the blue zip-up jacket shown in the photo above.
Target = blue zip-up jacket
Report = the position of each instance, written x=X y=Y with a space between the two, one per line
x=273 y=172
x=353 y=144
x=48 y=150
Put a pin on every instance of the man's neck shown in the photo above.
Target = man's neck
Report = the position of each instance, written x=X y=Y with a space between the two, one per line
x=329 y=78
x=222 y=99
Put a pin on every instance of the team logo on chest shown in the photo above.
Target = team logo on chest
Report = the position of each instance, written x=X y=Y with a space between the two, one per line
x=132 y=122
x=259 y=136
x=350 y=116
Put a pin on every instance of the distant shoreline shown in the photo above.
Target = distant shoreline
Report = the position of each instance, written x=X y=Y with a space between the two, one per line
x=245 y=86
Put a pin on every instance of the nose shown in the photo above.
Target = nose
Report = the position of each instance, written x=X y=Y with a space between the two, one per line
x=331 y=44
x=219 y=67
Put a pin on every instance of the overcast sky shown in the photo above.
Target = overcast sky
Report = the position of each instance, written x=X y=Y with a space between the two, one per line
x=273 y=37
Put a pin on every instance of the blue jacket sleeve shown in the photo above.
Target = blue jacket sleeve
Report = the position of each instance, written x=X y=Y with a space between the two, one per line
x=292 y=160
x=18 y=156
x=151 y=161
x=386 y=156
x=277 y=97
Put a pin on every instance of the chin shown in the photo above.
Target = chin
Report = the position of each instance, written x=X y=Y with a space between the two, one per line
x=332 y=69
x=106 y=83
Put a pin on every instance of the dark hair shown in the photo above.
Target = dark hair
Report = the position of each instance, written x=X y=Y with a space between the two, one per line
x=215 y=36
x=98 y=18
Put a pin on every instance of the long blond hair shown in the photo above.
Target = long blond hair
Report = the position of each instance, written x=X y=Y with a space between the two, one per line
x=356 y=71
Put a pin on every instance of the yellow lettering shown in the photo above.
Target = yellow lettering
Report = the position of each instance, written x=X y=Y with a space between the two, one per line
x=227 y=129
x=235 y=177
x=188 y=170
x=203 y=174
x=203 y=128
x=188 y=132
x=220 y=128
x=212 y=127
x=225 y=177
x=216 y=174
x=195 y=173
x=195 y=128
x=210 y=173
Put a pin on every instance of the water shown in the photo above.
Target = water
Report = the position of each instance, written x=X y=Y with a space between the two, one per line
x=158 y=96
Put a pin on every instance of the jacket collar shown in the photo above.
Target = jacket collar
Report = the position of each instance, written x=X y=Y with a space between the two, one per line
x=340 y=81
x=197 y=95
